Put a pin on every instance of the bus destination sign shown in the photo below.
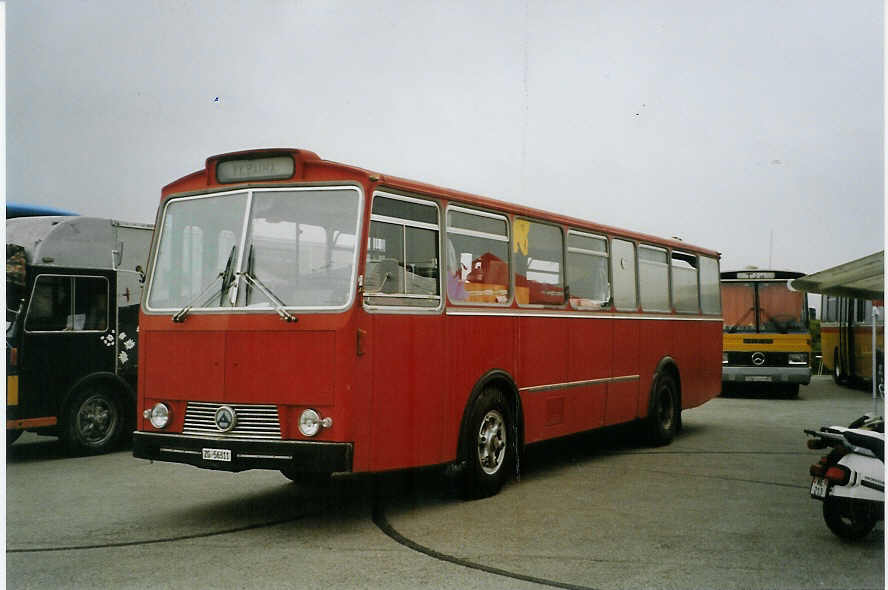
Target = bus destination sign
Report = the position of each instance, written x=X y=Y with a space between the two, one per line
x=271 y=168
x=756 y=275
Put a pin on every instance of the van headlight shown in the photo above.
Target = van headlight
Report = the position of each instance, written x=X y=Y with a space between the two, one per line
x=159 y=415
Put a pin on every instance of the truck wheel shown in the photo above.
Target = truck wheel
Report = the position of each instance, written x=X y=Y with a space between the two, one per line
x=662 y=421
x=489 y=445
x=93 y=421
x=848 y=519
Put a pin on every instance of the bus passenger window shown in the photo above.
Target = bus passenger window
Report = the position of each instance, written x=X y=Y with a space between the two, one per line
x=685 y=296
x=623 y=265
x=477 y=256
x=538 y=252
x=402 y=253
x=710 y=301
x=588 y=283
x=653 y=278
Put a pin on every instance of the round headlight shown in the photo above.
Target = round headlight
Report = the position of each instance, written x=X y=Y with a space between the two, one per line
x=160 y=416
x=309 y=422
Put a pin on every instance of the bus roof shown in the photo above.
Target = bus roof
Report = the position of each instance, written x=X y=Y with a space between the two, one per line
x=79 y=242
x=308 y=167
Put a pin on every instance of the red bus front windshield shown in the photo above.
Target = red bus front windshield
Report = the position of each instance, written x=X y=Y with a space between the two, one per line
x=762 y=307
x=267 y=248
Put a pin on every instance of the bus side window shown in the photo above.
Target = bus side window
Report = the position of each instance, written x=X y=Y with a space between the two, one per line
x=623 y=268
x=710 y=300
x=587 y=276
x=402 y=253
x=685 y=293
x=653 y=278
x=538 y=253
x=478 y=256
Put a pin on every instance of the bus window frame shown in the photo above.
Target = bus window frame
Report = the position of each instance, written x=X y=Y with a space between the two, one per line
x=461 y=208
x=669 y=303
x=249 y=190
x=365 y=248
x=604 y=306
x=72 y=278
x=562 y=272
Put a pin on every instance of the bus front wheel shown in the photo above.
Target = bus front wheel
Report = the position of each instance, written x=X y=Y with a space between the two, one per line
x=489 y=444
x=93 y=421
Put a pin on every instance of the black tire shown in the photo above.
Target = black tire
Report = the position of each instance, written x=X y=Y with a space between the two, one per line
x=93 y=421
x=792 y=390
x=12 y=436
x=665 y=411
x=490 y=445
x=848 y=519
x=839 y=376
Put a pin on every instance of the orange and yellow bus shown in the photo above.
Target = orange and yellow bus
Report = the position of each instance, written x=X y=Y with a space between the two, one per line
x=846 y=336
x=766 y=341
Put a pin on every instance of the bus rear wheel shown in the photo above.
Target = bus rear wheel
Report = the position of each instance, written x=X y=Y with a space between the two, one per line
x=489 y=445
x=665 y=413
x=93 y=421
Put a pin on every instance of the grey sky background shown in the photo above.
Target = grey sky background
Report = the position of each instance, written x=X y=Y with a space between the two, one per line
x=723 y=123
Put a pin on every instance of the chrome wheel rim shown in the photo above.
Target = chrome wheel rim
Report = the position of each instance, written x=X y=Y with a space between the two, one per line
x=492 y=442
x=96 y=420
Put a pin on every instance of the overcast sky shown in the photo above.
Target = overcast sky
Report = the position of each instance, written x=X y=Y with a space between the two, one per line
x=724 y=123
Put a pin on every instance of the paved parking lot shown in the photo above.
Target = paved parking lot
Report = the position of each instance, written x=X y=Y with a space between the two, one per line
x=726 y=505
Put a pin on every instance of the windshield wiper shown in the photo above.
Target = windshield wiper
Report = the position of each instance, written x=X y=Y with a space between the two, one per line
x=226 y=275
x=275 y=300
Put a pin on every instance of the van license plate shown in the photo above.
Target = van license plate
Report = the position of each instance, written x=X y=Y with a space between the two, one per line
x=217 y=454
x=819 y=488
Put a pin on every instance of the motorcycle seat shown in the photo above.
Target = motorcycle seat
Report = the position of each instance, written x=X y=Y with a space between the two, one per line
x=872 y=441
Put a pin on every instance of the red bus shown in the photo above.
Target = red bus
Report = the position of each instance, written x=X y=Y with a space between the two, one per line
x=313 y=317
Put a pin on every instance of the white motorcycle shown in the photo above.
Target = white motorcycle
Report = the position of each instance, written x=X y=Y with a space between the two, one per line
x=850 y=479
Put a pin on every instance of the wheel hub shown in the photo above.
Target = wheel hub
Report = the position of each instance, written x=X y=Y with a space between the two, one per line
x=492 y=442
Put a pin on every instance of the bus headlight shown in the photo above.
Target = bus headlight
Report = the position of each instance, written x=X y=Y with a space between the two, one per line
x=798 y=358
x=159 y=415
x=310 y=422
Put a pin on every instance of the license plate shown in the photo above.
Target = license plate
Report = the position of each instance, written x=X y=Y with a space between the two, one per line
x=818 y=488
x=759 y=378
x=217 y=454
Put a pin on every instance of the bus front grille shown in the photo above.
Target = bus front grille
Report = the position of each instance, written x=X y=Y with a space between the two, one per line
x=253 y=421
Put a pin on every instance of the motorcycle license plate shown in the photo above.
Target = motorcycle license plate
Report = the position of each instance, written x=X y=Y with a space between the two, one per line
x=217 y=454
x=819 y=488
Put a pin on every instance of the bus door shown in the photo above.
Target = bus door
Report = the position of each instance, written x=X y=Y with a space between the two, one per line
x=846 y=336
x=404 y=332
x=68 y=334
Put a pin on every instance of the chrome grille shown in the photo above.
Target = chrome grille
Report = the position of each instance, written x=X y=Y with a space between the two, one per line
x=253 y=421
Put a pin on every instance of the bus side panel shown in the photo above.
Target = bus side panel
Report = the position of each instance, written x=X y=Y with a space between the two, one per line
x=698 y=350
x=655 y=342
x=829 y=345
x=589 y=355
x=475 y=346
x=409 y=386
x=543 y=358
x=622 y=394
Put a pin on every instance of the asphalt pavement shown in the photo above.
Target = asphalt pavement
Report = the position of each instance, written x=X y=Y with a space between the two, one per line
x=725 y=506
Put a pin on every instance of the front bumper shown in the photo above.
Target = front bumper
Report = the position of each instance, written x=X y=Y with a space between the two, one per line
x=801 y=375
x=295 y=456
